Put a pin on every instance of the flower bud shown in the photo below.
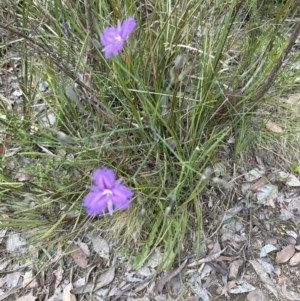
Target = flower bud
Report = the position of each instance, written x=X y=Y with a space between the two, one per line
x=178 y=63
x=168 y=210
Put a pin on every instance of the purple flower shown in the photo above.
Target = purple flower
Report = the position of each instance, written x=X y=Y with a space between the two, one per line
x=113 y=38
x=106 y=193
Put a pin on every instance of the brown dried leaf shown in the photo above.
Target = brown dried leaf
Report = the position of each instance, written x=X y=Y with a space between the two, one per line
x=29 y=281
x=67 y=295
x=78 y=255
x=225 y=258
x=262 y=181
x=274 y=127
x=140 y=287
x=228 y=286
x=271 y=202
x=161 y=283
x=103 y=280
x=285 y=254
x=295 y=259
x=233 y=269
x=58 y=273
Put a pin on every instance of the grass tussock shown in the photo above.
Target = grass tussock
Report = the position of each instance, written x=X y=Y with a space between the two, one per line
x=192 y=74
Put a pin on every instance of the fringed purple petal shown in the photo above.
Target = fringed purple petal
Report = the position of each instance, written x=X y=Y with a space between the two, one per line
x=104 y=178
x=121 y=197
x=114 y=48
x=109 y=36
x=127 y=28
x=95 y=203
x=113 y=38
x=107 y=193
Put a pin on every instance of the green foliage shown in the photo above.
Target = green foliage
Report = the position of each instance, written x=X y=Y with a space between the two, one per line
x=157 y=113
x=295 y=167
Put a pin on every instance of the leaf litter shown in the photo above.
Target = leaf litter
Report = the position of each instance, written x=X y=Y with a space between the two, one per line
x=222 y=260
x=226 y=263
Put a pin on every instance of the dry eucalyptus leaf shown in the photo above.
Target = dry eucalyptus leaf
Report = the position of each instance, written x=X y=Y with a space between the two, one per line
x=274 y=127
x=78 y=255
x=285 y=215
x=154 y=259
x=257 y=184
x=264 y=277
x=295 y=259
x=67 y=295
x=230 y=285
x=225 y=258
x=205 y=271
x=10 y=292
x=256 y=295
x=253 y=175
x=4 y=264
x=101 y=247
x=265 y=192
x=27 y=298
x=233 y=269
x=242 y=287
x=201 y=292
x=292 y=181
x=294 y=208
x=232 y=237
x=145 y=272
x=141 y=287
x=84 y=247
x=12 y=279
x=15 y=243
x=161 y=282
x=285 y=254
x=268 y=267
x=58 y=276
x=82 y=289
x=29 y=280
x=103 y=280
x=292 y=234
x=2 y=281
x=290 y=295
x=266 y=250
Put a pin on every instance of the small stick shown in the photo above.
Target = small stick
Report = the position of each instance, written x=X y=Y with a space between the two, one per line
x=269 y=80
